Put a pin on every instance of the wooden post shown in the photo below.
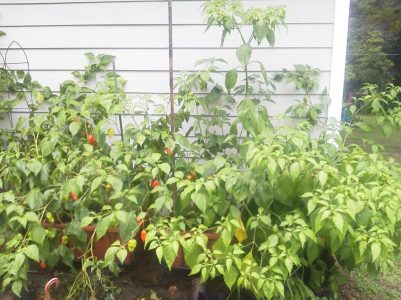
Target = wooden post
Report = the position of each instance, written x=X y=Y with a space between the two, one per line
x=171 y=75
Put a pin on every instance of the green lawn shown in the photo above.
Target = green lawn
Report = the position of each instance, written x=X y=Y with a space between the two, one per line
x=391 y=144
x=360 y=287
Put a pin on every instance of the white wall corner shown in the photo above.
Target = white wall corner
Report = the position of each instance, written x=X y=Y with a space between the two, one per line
x=338 y=58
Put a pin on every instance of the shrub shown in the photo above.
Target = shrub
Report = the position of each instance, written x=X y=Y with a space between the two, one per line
x=289 y=207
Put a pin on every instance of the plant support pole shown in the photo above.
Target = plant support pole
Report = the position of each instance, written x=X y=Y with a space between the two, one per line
x=171 y=77
x=116 y=92
x=170 y=54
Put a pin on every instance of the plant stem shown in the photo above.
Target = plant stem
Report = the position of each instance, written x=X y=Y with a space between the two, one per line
x=246 y=80
x=347 y=134
x=240 y=33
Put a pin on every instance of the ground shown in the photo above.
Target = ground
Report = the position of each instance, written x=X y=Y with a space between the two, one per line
x=360 y=287
x=391 y=144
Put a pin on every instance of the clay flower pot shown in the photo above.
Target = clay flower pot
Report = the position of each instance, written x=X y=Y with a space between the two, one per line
x=99 y=246
x=179 y=262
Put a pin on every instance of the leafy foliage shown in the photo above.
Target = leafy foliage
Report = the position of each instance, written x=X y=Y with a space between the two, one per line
x=273 y=208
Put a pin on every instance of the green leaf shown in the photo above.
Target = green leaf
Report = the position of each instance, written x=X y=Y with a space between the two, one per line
x=72 y=185
x=260 y=31
x=74 y=127
x=96 y=183
x=27 y=79
x=105 y=60
x=338 y=221
x=172 y=180
x=86 y=221
x=17 y=287
x=295 y=170
x=362 y=247
x=17 y=264
x=169 y=255
x=155 y=157
x=165 y=167
x=280 y=287
x=192 y=254
x=299 y=142
x=2 y=33
x=322 y=177
x=271 y=37
x=376 y=250
x=364 y=126
x=115 y=182
x=230 y=277
x=110 y=254
x=159 y=253
x=38 y=234
x=272 y=240
x=244 y=54
x=140 y=138
x=312 y=252
x=128 y=227
x=122 y=255
x=66 y=254
x=219 y=162
x=102 y=226
x=34 y=166
x=311 y=206
x=30 y=216
x=90 y=56
x=200 y=201
x=35 y=198
x=264 y=73
x=231 y=79
x=52 y=259
x=223 y=37
x=183 y=141
x=32 y=251
x=122 y=215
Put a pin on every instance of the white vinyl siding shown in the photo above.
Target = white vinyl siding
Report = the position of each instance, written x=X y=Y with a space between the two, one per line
x=56 y=33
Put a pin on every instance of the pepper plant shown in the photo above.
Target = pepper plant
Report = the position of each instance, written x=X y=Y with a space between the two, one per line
x=290 y=209
x=58 y=168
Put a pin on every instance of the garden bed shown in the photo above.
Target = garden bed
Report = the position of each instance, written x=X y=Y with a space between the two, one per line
x=145 y=280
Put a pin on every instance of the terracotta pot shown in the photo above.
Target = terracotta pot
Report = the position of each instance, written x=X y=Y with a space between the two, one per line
x=99 y=246
x=179 y=262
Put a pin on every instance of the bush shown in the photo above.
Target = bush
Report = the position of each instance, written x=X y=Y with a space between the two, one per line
x=288 y=207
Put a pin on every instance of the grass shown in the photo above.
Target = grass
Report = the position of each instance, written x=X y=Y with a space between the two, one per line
x=359 y=285
x=385 y=287
x=391 y=144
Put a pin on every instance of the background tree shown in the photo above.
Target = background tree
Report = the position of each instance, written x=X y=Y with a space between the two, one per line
x=374 y=48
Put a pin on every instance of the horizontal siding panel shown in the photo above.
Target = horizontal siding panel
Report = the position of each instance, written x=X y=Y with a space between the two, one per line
x=157 y=59
x=298 y=36
x=56 y=34
x=147 y=82
x=84 y=14
x=307 y=36
x=298 y=11
x=148 y=12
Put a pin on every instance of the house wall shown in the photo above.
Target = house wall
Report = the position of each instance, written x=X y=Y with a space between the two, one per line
x=56 y=33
